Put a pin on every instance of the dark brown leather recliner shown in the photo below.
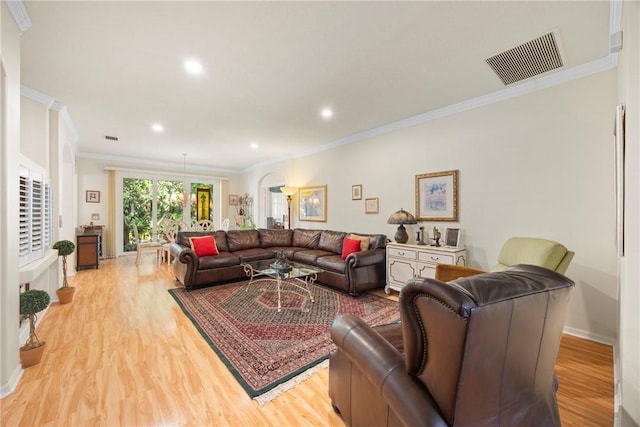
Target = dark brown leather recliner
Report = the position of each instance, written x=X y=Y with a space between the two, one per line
x=477 y=351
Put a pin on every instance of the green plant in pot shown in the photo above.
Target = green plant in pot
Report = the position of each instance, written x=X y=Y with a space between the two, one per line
x=65 y=293
x=32 y=302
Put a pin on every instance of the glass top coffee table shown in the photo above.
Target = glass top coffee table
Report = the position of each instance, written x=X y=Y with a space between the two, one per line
x=299 y=275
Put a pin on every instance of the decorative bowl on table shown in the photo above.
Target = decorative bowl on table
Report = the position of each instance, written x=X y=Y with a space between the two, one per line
x=281 y=267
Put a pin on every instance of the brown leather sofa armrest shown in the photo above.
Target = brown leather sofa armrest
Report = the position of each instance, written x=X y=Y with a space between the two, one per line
x=447 y=272
x=384 y=367
x=186 y=273
x=176 y=249
x=365 y=258
x=363 y=346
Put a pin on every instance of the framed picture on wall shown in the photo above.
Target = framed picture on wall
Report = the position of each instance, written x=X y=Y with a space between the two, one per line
x=92 y=196
x=313 y=203
x=371 y=205
x=356 y=192
x=437 y=196
x=233 y=200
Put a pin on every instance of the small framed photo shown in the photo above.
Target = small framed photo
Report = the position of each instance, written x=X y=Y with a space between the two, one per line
x=92 y=196
x=233 y=200
x=371 y=205
x=356 y=192
x=452 y=238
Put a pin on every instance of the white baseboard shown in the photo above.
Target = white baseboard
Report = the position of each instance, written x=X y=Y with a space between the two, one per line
x=10 y=387
x=616 y=375
x=589 y=336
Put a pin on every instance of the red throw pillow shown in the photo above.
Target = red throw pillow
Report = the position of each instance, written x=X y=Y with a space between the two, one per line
x=349 y=246
x=203 y=246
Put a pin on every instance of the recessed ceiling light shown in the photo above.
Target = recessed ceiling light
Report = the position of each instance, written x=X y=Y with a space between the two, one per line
x=193 y=67
x=157 y=127
x=254 y=146
x=326 y=113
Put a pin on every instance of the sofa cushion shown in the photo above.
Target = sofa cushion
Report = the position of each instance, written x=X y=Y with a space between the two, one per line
x=333 y=263
x=223 y=259
x=331 y=241
x=350 y=246
x=364 y=240
x=270 y=238
x=204 y=245
x=376 y=241
x=242 y=239
x=254 y=254
x=182 y=238
x=310 y=255
x=306 y=238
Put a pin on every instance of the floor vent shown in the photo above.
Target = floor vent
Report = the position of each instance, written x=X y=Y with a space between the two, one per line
x=527 y=60
x=111 y=138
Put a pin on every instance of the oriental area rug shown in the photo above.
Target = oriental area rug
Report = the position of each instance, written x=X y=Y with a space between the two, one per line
x=268 y=351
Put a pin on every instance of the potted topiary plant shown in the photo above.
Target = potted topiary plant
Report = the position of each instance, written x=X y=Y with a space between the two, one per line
x=65 y=292
x=32 y=302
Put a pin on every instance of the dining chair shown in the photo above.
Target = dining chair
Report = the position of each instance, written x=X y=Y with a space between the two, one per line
x=169 y=235
x=145 y=245
x=205 y=225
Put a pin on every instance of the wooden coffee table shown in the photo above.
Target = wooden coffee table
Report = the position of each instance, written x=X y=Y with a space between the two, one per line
x=300 y=275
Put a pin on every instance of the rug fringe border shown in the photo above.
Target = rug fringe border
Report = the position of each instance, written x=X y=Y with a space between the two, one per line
x=267 y=397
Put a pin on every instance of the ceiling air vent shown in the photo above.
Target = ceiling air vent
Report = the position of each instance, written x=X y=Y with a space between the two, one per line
x=527 y=60
x=111 y=138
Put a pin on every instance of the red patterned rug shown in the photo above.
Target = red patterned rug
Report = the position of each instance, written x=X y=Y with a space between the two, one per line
x=269 y=351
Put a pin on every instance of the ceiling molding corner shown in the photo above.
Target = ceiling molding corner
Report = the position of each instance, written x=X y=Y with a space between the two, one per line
x=34 y=95
x=68 y=121
x=19 y=13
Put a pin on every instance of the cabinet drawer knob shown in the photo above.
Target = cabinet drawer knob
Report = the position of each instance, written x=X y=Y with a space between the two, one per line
x=435 y=258
x=400 y=253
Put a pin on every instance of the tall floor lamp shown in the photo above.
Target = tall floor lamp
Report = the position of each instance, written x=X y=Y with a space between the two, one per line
x=289 y=192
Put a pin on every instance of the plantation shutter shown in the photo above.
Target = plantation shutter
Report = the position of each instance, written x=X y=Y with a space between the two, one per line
x=25 y=198
x=36 y=231
x=47 y=214
x=36 y=216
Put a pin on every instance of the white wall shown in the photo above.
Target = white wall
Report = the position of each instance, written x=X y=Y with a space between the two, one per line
x=10 y=370
x=34 y=132
x=628 y=354
x=538 y=165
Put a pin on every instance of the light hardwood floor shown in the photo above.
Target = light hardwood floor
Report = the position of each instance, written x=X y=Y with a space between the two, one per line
x=123 y=354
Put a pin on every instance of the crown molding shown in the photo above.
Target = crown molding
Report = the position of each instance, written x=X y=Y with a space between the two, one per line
x=19 y=13
x=206 y=170
x=52 y=104
x=34 y=95
x=513 y=91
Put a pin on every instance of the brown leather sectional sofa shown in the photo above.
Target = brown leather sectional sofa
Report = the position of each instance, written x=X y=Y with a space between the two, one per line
x=359 y=272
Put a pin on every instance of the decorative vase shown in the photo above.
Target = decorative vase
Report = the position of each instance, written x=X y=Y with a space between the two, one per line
x=32 y=356
x=65 y=294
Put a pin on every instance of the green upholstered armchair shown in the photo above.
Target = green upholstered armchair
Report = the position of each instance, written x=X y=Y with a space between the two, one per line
x=517 y=250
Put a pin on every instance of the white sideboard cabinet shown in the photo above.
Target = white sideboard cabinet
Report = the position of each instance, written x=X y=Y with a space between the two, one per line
x=405 y=262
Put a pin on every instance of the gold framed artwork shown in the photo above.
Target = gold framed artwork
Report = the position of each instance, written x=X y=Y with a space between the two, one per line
x=92 y=196
x=371 y=205
x=233 y=200
x=313 y=203
x=203 y=197
x=356 y=192
x=437 y=196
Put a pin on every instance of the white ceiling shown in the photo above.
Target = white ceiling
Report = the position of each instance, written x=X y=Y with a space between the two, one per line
x=270 y=67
